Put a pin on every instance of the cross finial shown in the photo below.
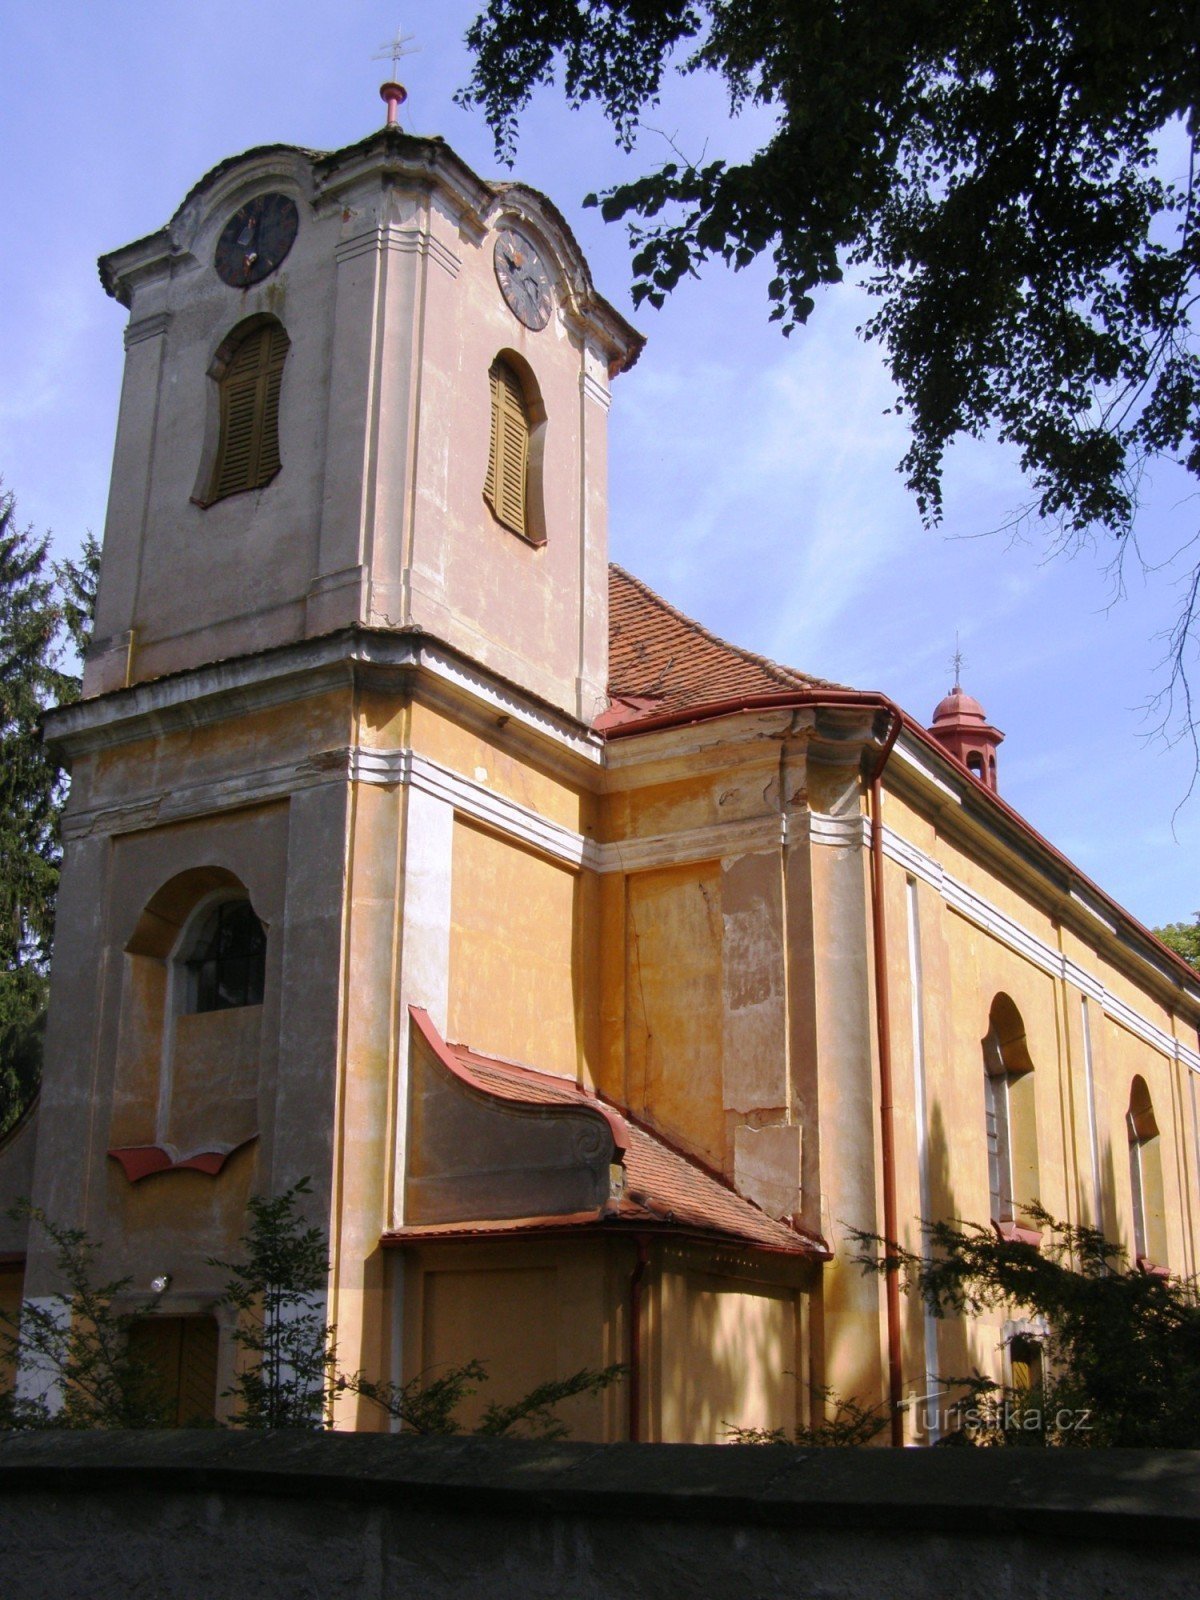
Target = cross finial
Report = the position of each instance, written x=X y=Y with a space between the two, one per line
x=393 y=92
x=957 y=659
x=397 y=48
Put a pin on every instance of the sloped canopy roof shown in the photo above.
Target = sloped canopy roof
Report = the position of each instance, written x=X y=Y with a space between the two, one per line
x=659 y=1188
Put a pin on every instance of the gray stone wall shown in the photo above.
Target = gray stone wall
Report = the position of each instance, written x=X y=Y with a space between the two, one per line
x=219 y=1514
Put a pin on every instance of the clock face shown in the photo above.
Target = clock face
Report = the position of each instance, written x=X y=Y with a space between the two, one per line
x=523 y=278
x=256 y=239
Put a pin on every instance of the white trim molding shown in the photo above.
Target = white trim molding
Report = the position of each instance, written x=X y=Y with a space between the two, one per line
x=200 y=696
x=751 y=836
x=237 y=687
x=981 y=913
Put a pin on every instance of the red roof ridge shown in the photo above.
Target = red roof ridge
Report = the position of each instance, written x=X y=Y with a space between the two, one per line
x=522 y=1070
x=462 y=1070
x=789 y=677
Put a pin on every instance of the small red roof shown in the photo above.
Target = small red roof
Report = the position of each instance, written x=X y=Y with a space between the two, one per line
x=663 y=1187
x=957 y=707
x=661 y=661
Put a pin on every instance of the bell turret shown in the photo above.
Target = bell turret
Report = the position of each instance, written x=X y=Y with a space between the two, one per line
x=961 y=725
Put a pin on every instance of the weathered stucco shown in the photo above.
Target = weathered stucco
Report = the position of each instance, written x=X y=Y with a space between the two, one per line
x=356 y=699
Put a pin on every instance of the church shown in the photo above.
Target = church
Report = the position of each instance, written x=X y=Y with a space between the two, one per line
x=601 y=976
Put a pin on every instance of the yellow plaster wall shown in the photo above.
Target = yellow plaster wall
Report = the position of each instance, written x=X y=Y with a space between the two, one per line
x=174 y=1221
x=214 y=1063
x=674 y=1011
x=361 y=1199
x=222 y=1063
x=218 y=750
x=139 y=1051
x=516 y=953
x=964 y=967
x=531 y=1311
x=492 y=760
x=202 y=1070
x=728 y=1348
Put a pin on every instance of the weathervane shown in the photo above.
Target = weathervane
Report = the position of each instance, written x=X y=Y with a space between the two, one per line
x=958 y=659
x=392 y=91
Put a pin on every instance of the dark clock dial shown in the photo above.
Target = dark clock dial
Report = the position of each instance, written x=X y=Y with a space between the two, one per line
x=256 y=239
x=523 y=278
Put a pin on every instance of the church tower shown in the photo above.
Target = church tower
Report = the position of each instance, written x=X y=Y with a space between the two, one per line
x=365 y=389
x=352 y=612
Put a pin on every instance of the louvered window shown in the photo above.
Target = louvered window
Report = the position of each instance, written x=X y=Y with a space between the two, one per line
x=248 y=451
x=508 y=450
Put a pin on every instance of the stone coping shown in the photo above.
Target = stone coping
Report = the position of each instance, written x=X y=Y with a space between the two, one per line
x=1148 y=1497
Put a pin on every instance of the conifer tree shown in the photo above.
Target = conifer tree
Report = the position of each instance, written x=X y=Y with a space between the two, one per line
x=34 y=616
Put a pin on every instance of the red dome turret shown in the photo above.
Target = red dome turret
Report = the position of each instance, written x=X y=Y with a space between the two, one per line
x=961 y=725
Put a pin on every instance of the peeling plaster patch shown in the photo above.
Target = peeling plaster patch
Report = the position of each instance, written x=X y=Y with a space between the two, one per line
x=766 y=1167
x=753 y=981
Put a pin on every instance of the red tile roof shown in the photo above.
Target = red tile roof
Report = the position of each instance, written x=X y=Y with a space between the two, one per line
x=662 y=661
x=663 y=1187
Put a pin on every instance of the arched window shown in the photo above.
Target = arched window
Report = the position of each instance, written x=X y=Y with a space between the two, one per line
x=192 y=1018
x=249 y=374
x=1145 y=1178
x=1010 y=1116
x=508 y=449
x=995 y=1091
x=1025 y=1363
x=226 y=966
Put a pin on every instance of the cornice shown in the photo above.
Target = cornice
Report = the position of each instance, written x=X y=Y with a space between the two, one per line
x=756 y=835
x=405 y=662
x=974 y=908
x=972 y=816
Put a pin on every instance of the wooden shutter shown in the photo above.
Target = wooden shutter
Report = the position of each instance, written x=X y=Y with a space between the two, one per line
x=248 y=452
x=508 y=449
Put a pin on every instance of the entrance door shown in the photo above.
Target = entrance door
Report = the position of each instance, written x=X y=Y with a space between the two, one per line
x=182 y=1352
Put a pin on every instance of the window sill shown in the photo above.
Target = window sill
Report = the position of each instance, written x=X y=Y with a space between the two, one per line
x=1151 y=1269
x=535 y=540
x=1016 y=1234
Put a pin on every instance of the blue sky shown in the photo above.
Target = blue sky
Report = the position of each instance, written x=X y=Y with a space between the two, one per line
x=753 y=478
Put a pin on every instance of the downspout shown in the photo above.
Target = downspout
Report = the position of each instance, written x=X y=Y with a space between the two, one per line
x=887 y=1132
x=635 y=1339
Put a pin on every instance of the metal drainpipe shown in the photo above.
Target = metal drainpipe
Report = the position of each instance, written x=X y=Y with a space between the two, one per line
x=886 y=1124
x=635 y=1339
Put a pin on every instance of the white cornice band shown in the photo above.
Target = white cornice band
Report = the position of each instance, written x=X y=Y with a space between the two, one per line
x=975 y=909
x=591 y=389
x=208 y=694
x=755 y=835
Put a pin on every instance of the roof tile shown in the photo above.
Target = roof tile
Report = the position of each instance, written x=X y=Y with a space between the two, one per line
x=662 y=661
x=662 y=1185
